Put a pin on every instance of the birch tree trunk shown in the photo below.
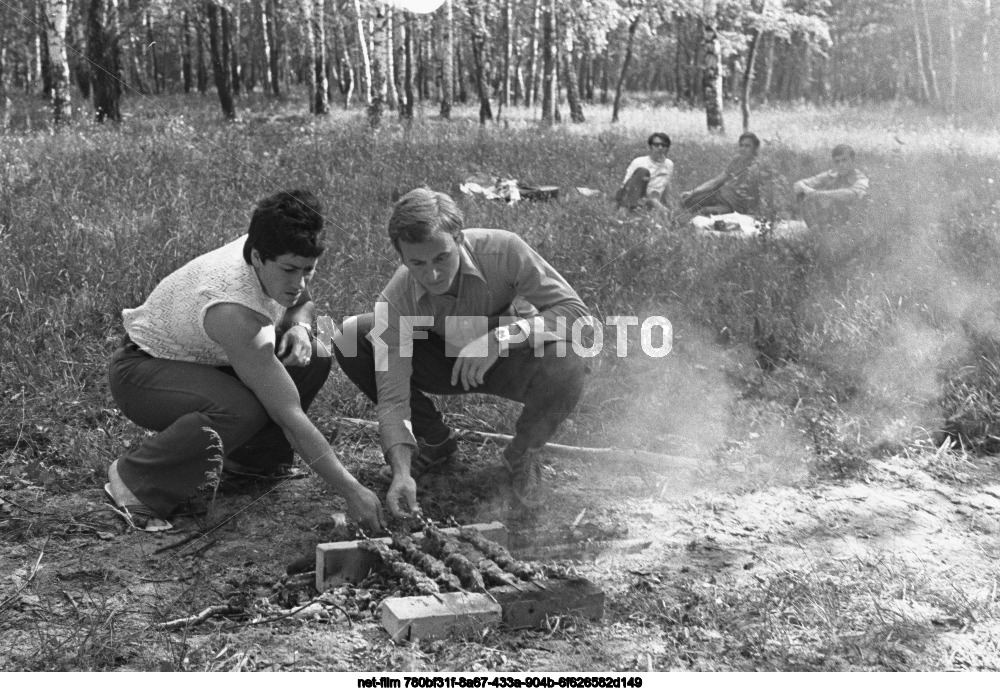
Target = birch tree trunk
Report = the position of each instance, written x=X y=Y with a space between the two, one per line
x=274 y=31
x=377 y=58
x=392 y=97
x=366 y=60
x=769 y=69
x=625 y=64
x=712 y=70
x=104 y=52
x=265 y=44
x=220 y=66
x=919 y=52
x=186 y=61
x=235 y=68
x=531 y=81
x=548 y=64
x=479 y=60
x=346 y=66
x=308 y=31
x=58 y=16
x=322 y=99
x=508 y=52
x=935 y=92
x=153 y=55
x=572 y=85
x=447 y=61
x=202 y=64
x=748 y=79
x=406 y=106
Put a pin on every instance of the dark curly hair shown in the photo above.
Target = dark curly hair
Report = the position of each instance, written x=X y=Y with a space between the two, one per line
x=286 y=223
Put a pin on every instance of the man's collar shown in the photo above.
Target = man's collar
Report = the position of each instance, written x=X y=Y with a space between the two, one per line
x=466 y=265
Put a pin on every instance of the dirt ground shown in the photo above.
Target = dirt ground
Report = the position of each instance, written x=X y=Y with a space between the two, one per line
x=895 y=570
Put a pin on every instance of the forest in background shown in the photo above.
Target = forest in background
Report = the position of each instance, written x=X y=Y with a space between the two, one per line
x=550 y=55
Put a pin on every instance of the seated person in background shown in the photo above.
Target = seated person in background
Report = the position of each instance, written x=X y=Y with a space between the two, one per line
x=647 y=180
x=485 y=311
x=826 y=199
x=221 y=354
x=748 y=186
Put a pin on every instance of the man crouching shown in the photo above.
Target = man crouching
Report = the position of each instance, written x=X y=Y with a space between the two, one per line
x=469 y=311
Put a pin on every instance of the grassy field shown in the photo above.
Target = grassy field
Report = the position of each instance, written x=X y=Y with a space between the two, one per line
x=887 y=333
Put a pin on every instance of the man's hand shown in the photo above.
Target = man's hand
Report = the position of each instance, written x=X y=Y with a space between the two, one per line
x=363 y=506
x=471 y=369
x=295 y=348
x=402 y=497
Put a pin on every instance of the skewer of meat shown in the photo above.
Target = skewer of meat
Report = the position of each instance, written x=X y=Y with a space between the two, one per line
x=498 y=554
x=430 y=565
x=397 y=566
x=443 y=544
x=435 y=543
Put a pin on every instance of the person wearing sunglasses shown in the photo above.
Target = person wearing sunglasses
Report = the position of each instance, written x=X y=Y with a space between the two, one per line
x=647 y=179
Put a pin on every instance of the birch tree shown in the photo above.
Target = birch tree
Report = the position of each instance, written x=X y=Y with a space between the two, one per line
x=712 y=68
x=57 y=12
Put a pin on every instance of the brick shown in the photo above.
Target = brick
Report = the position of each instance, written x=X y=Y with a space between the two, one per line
x=431 y=617
x=344 y=562
x=529 y=605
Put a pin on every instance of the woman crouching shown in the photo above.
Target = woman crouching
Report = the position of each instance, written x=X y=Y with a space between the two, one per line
x=222 y=349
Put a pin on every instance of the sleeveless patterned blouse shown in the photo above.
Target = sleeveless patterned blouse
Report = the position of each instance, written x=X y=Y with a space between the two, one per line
x=171 y=323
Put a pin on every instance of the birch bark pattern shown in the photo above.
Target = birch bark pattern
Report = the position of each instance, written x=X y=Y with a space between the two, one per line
x=220 y=67
x=366 y=62
x=447 y=61
x=479 y=60
x=549 y=64
x=625 y=64
x=572 y=83
x=346 y=68
x=58 y=15
x=378 y=63
x=321 y=102
x=712 y=70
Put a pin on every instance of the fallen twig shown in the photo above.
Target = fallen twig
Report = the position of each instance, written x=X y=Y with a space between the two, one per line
x=290 y=613
x=625 y=455
x=211 y=611
x=31 y=575
x=193 y=536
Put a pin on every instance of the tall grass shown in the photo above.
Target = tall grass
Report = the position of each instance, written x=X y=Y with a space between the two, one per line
x=92 y=217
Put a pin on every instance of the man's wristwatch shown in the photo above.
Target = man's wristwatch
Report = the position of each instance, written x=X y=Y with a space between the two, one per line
x=308 y=326
x=504 y=333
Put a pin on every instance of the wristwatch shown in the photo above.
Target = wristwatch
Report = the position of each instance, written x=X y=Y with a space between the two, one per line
x=308 y=326
x=502 y=335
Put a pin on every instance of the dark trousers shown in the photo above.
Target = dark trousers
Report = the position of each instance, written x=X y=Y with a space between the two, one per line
x=633 y=192
x=185 y=403
x=710 y=203
x=548 y=385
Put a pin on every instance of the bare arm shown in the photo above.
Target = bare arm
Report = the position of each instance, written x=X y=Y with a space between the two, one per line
x=295 y=347
x=248 y=340
x=708 y=186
